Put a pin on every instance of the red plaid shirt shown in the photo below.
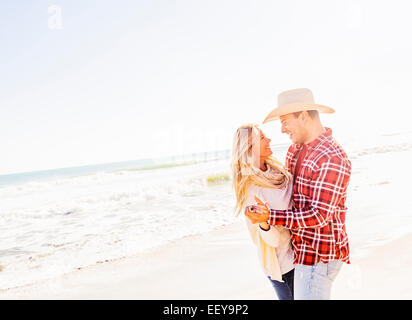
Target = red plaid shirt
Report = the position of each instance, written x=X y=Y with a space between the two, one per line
x=317 y=218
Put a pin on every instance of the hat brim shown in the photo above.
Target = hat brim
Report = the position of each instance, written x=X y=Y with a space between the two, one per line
x=296 y=107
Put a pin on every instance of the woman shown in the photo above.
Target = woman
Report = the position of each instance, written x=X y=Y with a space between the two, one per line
x=256 y=173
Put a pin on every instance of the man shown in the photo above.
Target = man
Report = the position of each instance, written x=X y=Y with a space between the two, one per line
x=321 y=172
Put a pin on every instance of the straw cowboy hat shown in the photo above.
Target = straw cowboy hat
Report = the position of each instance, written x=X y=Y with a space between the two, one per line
x=294 y=101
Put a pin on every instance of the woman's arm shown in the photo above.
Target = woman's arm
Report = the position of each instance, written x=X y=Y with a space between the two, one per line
x=270 y=237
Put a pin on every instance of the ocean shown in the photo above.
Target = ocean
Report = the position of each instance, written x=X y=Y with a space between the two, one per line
x=52 y=222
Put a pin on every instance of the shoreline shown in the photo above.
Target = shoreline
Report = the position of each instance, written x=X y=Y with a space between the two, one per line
x=219 y=264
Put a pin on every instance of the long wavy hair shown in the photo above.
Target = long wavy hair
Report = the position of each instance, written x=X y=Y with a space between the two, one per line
x=245 y=167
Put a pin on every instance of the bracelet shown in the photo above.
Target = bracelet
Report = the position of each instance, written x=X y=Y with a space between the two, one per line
x=264 y=229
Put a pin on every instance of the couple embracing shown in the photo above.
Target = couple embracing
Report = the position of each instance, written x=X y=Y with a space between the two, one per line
x=295 y=213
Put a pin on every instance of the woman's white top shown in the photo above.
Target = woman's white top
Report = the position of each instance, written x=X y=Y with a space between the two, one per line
x=274 y=248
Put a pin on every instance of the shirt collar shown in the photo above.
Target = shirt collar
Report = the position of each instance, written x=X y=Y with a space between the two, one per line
x=324 y=136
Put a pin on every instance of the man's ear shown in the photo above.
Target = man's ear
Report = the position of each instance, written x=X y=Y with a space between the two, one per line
x=304 y=115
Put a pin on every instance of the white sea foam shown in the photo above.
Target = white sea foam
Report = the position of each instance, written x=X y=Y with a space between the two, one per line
x=51 y=227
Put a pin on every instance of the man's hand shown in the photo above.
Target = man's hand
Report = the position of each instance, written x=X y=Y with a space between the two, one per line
x=261 y=214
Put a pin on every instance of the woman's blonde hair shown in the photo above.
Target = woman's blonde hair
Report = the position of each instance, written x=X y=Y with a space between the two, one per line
x=245 y=169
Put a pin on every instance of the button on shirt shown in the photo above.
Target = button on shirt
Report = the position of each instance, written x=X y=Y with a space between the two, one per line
x=317 y=219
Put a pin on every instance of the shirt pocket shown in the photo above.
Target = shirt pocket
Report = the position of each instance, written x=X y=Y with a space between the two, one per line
x=304 y=181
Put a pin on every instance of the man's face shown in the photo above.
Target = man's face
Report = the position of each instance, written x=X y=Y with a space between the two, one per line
x=293 y=126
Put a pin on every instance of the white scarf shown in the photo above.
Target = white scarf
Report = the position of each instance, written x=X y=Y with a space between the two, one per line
x=275 y=177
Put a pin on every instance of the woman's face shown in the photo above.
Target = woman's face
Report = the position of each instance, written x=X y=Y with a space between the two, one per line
x=261 y=148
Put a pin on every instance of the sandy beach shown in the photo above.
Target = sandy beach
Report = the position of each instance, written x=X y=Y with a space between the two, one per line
x=220 y=264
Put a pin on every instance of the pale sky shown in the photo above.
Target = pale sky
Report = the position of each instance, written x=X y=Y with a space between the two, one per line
x=123 y=80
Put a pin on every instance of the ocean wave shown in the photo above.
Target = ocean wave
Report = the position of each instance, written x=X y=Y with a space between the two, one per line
x=381 y=149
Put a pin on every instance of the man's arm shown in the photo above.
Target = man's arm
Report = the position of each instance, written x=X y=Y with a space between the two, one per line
x=327 y=187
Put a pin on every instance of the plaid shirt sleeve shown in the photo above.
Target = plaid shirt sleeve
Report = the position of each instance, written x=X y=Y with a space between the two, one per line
x=289 y=156
x=326 y=188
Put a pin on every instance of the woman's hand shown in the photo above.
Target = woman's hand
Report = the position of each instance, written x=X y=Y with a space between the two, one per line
x=260 y=213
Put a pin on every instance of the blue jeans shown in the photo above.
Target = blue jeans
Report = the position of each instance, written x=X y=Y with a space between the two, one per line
x=284 y=290
x=315 y=282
